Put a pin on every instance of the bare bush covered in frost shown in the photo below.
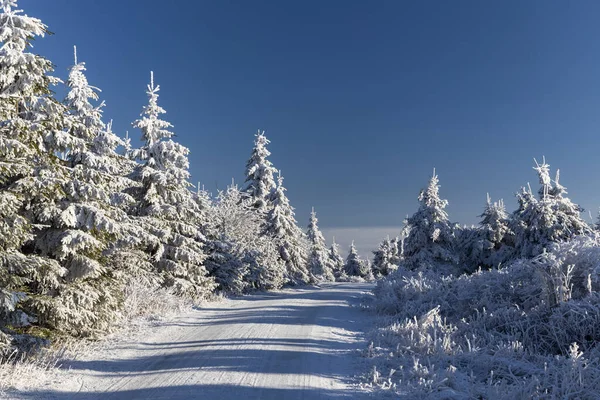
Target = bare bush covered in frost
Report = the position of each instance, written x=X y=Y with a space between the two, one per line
x=239 y=257
x=529 y=330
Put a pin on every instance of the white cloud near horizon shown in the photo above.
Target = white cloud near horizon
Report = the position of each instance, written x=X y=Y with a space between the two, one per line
x=366 y=239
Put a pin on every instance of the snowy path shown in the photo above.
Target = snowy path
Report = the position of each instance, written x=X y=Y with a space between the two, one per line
x=293 y=344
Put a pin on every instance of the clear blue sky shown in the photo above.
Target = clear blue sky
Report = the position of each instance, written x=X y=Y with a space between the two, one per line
x=360 y=99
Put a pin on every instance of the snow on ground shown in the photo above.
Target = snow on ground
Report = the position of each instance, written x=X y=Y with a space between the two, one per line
x=294 y=344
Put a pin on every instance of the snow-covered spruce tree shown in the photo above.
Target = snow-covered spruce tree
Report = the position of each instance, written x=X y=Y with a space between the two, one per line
x=385 y=258
x=318 y=258
x=396 y=245
x=239 y=257
x=431 y=238
x=92 y=237
x=167 y=203
x=293 y=246
x=336 y=262
x=401 y=240
x=487 y=245
x=204 y=201
x=32 y=180
x=468 y=247
x=552 y=218
x=495 y=237
x=354 y=265
x=260 y=172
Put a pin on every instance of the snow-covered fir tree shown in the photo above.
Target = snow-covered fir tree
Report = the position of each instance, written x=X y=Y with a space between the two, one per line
x=386 y=257
x=431 y=238
x=551 y=218
x=318 y=258
x=489 y=244
x=170 y=207
x=336 y=262
x=239 y=257
x=33 y=182
x=93 y=237
x=293 y=244
x=260 y=181
x=495 y=238
x=354 y=265
x=204 y=201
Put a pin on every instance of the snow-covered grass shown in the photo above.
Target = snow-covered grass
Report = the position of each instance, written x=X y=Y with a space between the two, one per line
x=529 y=330
x=21 y=370
x=145 y=303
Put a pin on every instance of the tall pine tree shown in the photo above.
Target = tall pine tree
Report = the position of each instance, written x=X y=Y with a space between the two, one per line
x=260 y=172
x=293 y=245
x=336 y=262
x=167 y=202
x=430 y=241
x=552 y=217
x=354 y=265
x=32 y=178
x=318 y=257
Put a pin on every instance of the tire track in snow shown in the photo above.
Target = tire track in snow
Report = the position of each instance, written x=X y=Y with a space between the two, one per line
x=294 y=344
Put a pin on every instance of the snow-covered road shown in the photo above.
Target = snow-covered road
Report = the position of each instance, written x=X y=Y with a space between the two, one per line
x=293 y=344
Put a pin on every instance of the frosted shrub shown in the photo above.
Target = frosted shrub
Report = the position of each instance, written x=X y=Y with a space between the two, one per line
x=240 y=259
x=529 y=330
x=143 y=299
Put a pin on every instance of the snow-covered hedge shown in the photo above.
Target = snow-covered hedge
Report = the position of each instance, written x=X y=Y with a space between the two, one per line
x=528 y=330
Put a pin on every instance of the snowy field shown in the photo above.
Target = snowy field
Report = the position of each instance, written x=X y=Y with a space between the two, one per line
x=292 y=344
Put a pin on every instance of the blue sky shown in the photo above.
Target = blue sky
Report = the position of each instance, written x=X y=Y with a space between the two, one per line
x=361 y=99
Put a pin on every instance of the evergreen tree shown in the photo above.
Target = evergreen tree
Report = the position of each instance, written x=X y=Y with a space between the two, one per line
x=431 y=237
x=551 y=218
x=336 y=262
x=396 y=244
x=354 y=265
x=318 y=258
x=204 y=201
x=259 y=174
x=496 y=237
x=489 y=244
x=386 y=258
x=293 y=245
x=93 y=237
x=32 y=180
x=167 y=202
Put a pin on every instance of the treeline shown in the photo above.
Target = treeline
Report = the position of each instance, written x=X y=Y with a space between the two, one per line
x=82 y=212
x=506 y=309
x=430 y=240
